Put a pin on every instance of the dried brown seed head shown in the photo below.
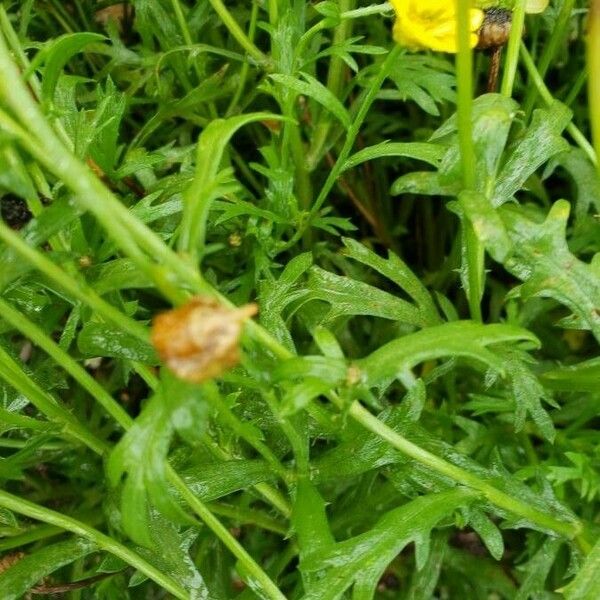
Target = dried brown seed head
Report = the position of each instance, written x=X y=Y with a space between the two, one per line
x=496 y=28
x=200 y=340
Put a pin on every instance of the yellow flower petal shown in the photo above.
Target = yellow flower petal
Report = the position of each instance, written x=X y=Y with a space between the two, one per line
x=422 y=24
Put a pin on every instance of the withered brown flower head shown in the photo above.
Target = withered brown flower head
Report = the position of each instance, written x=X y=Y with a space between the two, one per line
x=200 y=340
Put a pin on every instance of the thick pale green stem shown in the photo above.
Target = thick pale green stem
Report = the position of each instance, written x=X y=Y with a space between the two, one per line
x=273 y=11
x=108 y=544
x=464 y=76
x=474 y=249
x=512 y=54
x=492 y=494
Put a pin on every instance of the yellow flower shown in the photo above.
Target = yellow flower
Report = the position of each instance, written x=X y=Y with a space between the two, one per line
x=431 y=24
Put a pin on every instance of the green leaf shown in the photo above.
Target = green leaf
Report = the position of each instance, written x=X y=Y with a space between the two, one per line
x=492 y=118
x=118 y=274
x=462 y=338
x=205 y=188
x=536 y=569
x=527 y=392
x=396 y=270
x=425 y=580
x=13 y=174
x=347 y=296
x=31 y=569
x=539 y=143
x=209 y=90
x=100 y=339
x=585 y=177
x=487 y=224
x=56 y=54
x=57 y=217
x=141 y=454
x=275 y=296
x=489 y=533
x=583 y=377
x=317 y=91
x=426 y=80
x=309 y=519
x=429 y=153
x=543 y=260
x=586 y=585
x=363 y=559
x=213 y=481
x=300 y=395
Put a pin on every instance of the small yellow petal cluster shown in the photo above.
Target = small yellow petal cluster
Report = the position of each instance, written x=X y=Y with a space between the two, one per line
x=422 y=24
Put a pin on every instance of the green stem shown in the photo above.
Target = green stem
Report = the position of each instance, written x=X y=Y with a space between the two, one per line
x=15 y=45
x=335 y=84
x=229 y=418
x=125 y=229
x=302 y=180
x=547 y=97
x=33 y=534
x=492 y=494
x=185 y=32
x=247 y=516
x=46 y=405
x=273 y=12
x=40 y=513
x=474 y=249
x=275 y=498
x=11 y=372
x=237 y=32
x=576 y=88
x=269 y=589
x=77 y=289
x=269 y=493
x=298 y=442
x=464 y=75
x=300 y=49
x=551 y=46
x=512 y=55
x=354 y=129
x=246 y=65
x=593 y=60
x=62 y=358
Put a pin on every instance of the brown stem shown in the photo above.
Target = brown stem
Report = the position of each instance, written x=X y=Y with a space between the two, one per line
x=494 y=72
